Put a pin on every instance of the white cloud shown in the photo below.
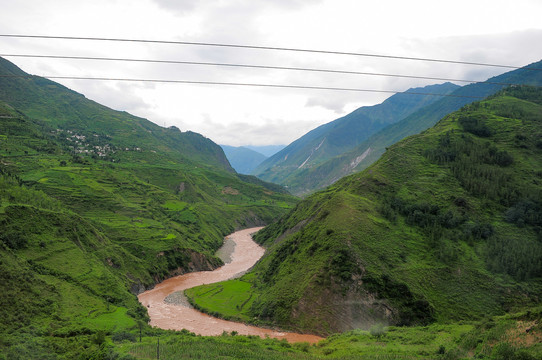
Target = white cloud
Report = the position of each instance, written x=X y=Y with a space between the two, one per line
x=493 y=31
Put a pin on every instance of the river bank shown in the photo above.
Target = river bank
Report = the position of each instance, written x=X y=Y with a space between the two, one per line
x=169 y=309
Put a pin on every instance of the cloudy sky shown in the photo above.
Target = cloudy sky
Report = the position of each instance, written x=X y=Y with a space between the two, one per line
x=489 y=31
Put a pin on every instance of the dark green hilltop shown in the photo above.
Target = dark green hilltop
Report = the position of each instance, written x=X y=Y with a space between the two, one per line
x=445 y=227
x=369 y=143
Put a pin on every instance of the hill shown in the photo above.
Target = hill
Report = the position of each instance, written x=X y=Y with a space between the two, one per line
x=96 y=206
x=242 y=159
x=345 y=133
x=445 y=226
x=61 y=108
x=368 y=151
x=267 y=150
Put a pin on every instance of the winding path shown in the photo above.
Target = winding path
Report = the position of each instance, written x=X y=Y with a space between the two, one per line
x=180 y=316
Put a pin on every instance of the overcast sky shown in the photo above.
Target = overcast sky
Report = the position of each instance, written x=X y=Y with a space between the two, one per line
x=489 y=31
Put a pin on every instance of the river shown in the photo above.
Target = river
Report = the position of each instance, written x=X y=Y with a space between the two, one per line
x=175 y=313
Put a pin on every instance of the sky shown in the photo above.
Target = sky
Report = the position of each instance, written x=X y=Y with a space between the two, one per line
x=486 y=31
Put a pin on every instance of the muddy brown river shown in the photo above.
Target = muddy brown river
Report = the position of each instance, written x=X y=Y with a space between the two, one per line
x=177 y=314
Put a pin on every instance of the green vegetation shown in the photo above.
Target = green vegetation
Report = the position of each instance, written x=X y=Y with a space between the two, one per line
x=515 y=336
x=318 y=176
x=230 y=300
x=98 y=205
x=341 y=135
x=444 y=228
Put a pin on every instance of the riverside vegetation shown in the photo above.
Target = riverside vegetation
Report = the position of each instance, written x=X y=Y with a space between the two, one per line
x=446 y=228
x=97 y=205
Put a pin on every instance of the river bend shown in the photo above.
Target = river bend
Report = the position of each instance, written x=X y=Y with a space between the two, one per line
x=178 y=315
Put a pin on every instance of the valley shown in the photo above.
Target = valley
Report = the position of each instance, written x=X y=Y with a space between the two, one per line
x=178 y=315
x=444 y=228
x=114 y=232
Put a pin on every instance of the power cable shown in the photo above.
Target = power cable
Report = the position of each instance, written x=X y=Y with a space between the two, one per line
x=252 y=66
x=241 y=84
x=238 y=46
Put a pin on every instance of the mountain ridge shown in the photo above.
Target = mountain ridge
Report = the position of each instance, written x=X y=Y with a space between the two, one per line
x=243 y=159
x=339 y=135
x=62 y=107
x=325 y=174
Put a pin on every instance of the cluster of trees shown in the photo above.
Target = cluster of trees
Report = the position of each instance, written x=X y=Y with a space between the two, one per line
x=435 y=219
x=443 y=228
x=519 y=258
x=526 y=212
x=485 y=172
x=480 y=166
x=475 y=124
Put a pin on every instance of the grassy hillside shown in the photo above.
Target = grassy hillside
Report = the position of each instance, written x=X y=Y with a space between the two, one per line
x=143 y=200
x=343 y=134
x=445 y=227
x=511 y=337
x=321 y=175
x=65 y=110
x=95 y=207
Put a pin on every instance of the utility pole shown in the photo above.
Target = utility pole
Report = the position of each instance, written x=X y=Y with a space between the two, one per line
x=158 y=349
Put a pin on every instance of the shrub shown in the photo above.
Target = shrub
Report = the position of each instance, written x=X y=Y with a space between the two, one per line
x=475 y=125
x=99 y=337
x=123 y=335
x=377 y=330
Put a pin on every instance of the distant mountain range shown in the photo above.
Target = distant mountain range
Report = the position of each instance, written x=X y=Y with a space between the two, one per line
x=343 y=134
x=314 y=175
x=242 y=159
x=267 y=150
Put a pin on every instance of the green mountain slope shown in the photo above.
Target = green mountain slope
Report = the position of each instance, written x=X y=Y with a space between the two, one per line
x=62 y=108
x=95 y=207
x=368 y=151
x=345 y=133
x=242 y=159
x=445 y=226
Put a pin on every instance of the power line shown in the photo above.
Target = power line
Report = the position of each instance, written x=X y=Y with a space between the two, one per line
x=238 y=46
x=283 y=86
x=253 y=67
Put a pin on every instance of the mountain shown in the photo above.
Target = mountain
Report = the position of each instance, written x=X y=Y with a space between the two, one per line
x=97 y=205
x=242 y=159
x=446 y=226
x=267 y=150
x=60 y=107
x=345 y=133
x=309 y=179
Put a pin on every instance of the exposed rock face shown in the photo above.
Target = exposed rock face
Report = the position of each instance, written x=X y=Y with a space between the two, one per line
x=251 y=220
x=198 y=262
x=194 y=262
x=332 y=310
